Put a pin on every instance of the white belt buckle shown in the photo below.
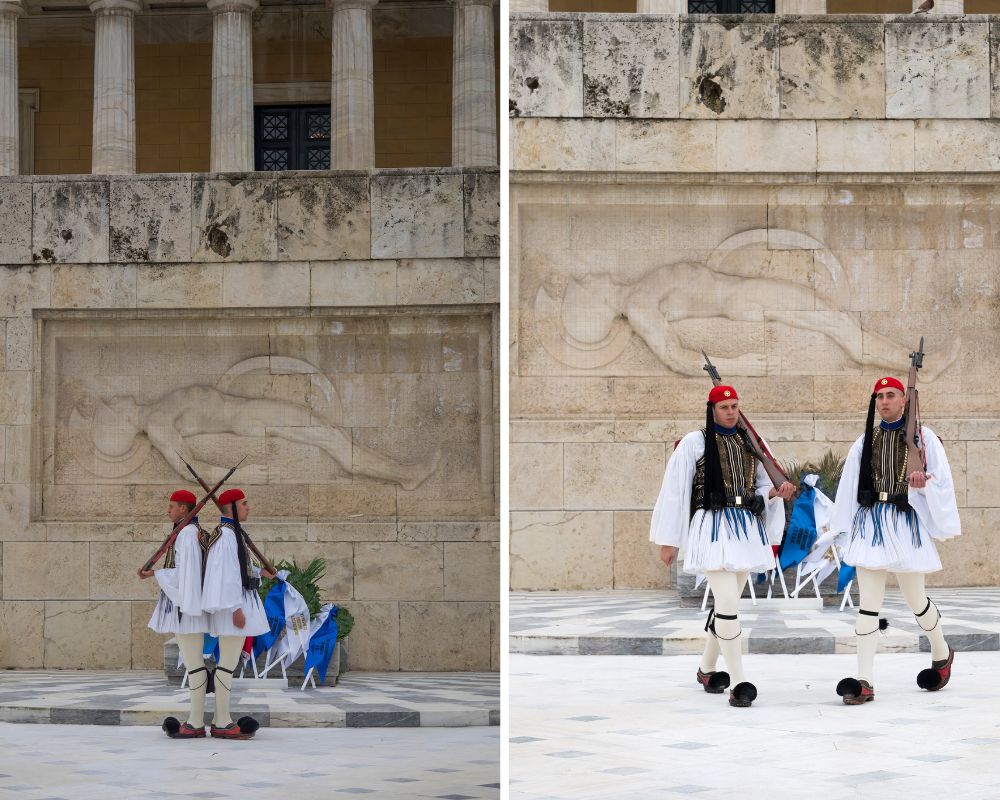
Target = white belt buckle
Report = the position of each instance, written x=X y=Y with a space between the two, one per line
x=883 y=497
x=739 y=500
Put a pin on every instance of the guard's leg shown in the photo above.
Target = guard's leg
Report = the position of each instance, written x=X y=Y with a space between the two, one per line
x=190 y=645
x=714 y=682
x=726 y=588
x=929 y=620
x=871 y=585
x=223 y=726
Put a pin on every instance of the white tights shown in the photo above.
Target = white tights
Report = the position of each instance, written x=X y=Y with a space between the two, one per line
x=871 y=583
x=190 y=645
x=726 y=590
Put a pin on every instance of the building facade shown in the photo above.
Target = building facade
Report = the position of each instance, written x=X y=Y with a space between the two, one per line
x=265 y=232
x=801 y=197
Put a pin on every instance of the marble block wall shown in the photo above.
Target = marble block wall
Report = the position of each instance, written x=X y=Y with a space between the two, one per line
x=792 y=195
x=338 y=329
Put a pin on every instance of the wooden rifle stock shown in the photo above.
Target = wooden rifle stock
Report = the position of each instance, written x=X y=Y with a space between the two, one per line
x=191 y=515
x=914 y=445
x=769 y=462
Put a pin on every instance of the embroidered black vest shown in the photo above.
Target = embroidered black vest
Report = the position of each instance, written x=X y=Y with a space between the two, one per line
x=739 y=468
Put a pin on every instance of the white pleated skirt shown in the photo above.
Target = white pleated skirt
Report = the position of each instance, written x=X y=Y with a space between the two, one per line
x=220 y=623
x=733 y=540
x=883 y=537
x=167 y=618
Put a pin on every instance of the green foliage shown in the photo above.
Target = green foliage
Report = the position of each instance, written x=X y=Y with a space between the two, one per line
x=829 y=468
x=306 y=580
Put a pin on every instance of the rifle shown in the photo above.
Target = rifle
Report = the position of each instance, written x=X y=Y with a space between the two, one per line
x=770 y=463
x=191 y=515
x=211 y=493
x=914 y=445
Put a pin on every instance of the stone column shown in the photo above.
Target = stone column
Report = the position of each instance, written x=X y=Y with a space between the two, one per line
x=661 y=7
x=473 y=96
x=352 y=97
x=113 y=149
x=9 y=12
x=232 y=85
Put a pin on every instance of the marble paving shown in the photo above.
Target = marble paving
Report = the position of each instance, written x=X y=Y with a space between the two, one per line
x=359 y=700
x=595 y=727
x=76 y=762
x=654 y=623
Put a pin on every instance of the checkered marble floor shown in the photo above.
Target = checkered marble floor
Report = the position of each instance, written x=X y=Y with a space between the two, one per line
x=630 y=727
x=82 y=762
x=628 y=622
x=360 y=699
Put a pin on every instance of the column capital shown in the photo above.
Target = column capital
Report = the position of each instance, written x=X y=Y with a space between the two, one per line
x=11 y=8
x=361 y=5
x=464 y=3
x=113 y=7
x=224 y=6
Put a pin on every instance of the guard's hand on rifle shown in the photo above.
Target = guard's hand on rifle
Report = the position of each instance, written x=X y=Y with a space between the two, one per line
x=668 y=554
x=144 y=573
x=239 y=618
x=785 y=491
x=918 y=479
x=268 y=575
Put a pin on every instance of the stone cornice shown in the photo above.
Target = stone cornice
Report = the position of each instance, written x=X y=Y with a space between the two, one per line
x=235 y=6
x=115 y=7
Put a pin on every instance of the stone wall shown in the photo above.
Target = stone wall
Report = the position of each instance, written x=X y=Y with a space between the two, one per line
x=790 y=194
x=338 y=329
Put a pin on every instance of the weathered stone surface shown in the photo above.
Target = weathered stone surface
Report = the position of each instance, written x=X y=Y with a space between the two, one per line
x=536 y=476
x=112 y=572
x=471 y=571
x=666 y=146
x=437 y=281
x=398 y=571
x=865 y=146
x=352 y=531
x=15 y=398
x=352 y=283
x=762 y=145
x=445 y=636
x=70 y=222
x=612 y=476
x=729 y=71
x=449 y=532
x=15 y=233
x=375 y=638
x=234 y=219
x=417 y=216
x=561 y=431
x=983 y=459
x=957 y=145
x=546 y=68
x=147 y=645
x=24 y=288
x=832 y=71
x=561 y=550
x=262 y=284
x=87 y=635
x=939 y=69
x=95 y=285
x=637 y=560
x=482 y=213
x=324 y=218
x=180 y=286
x=15 y=505
x=995 y=68
x=46 y=570
x=151 y=220
x=630 y=68
x=22 y=643
x=572 y=144
x=17 y=345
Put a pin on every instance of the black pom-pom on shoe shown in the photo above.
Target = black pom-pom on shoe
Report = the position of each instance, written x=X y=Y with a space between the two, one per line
x=719 y=681
x=742 y=695
x=849 y=687
x=171 y=726
x=883 y=623
x=929 y=679
x=248 y=725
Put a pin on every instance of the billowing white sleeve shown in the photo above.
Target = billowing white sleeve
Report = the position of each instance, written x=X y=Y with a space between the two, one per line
x=223 y=588
x=672 y=512
x=845 y=506
x=936 y=502
x=182 y=582
x=774 y=508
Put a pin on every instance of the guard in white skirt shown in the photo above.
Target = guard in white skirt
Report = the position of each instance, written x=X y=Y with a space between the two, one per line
x=894 y=512
x=719 y=511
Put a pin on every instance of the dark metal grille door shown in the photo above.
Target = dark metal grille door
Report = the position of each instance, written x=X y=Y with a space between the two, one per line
x=730 y=6
x=291 y=137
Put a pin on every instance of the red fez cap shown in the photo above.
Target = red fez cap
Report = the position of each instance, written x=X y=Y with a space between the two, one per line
x=230 y=496
x=184 y=496
x=720 y=393
x=888 y=382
